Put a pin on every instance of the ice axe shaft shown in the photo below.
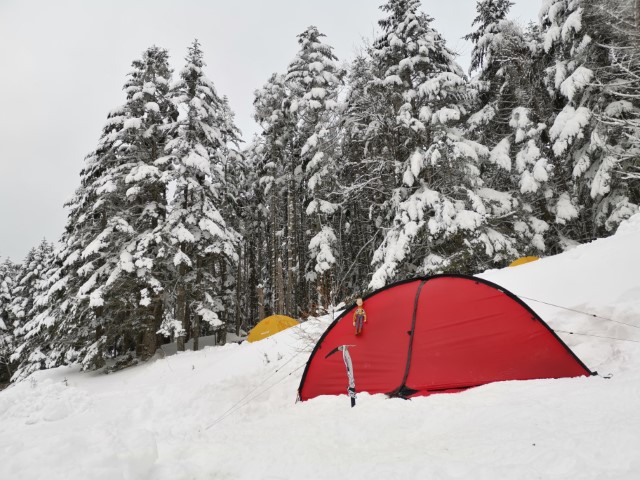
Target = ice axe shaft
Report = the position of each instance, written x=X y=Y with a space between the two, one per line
x=346 y=357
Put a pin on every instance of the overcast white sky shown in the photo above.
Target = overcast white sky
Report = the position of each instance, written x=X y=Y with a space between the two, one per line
x=63 y=64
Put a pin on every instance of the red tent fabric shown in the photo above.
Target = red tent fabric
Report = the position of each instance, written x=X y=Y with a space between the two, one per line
x=443 y=333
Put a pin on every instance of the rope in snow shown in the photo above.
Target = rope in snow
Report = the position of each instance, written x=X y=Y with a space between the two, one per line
x=581 y=312
x=239 y=404
x=598 y=336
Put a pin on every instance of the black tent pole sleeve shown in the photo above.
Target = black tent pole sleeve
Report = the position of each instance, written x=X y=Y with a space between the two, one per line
x=411 y=332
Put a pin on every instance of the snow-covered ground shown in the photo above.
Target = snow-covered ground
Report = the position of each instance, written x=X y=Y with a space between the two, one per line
x=230 y=412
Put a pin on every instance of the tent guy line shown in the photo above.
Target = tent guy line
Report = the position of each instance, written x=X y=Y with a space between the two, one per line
x=239 y=404
x=579 y=311
x=229 y=410
x=597 y=336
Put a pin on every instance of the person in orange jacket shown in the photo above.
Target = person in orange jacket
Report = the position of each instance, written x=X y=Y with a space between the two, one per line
x=359 y=316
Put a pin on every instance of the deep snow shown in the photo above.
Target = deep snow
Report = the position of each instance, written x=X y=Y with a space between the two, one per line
x=166 y=419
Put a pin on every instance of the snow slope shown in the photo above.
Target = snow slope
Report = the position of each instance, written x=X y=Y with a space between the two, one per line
x=166 y=419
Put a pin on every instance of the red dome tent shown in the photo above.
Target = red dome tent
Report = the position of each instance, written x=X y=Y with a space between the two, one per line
x=443 y=333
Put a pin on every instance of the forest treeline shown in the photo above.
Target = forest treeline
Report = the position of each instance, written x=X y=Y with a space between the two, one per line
x=395 y=164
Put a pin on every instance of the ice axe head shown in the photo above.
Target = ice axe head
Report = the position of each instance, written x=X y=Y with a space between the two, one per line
x=340 y=348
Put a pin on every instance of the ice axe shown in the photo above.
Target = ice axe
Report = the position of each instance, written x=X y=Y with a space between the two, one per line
x=351 y=389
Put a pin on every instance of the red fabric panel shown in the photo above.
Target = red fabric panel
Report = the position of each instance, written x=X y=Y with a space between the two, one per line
x=468 y=333
x=380 y=352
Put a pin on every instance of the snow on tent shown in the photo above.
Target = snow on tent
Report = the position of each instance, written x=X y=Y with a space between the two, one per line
x=444 y=333
x=270 y=326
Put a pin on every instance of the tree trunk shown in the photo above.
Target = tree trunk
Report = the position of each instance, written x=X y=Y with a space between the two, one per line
x=239 y=284
x=196 y=333
x=225 y=315
x=260 y=292
x=100 y=332
x=274 y=253
x=303 y=298
x=181 y=294
x=158 y=313
x=149 y=344
x=180 y=313
x=249 y=293
x=198 y=295
x=291 y=251
x=9 y=372
x=254 y=263
x=220 y=336
x=99 y=328
x=279 y=305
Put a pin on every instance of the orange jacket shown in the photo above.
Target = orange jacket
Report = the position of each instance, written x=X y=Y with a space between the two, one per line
x=359 y=312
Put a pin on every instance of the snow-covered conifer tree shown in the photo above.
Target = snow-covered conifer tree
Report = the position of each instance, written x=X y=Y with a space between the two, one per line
x=236 y=188
x=149 y=113
x=272 y=158
x=508 y=119
x=93 y=291
x=36 y=263
x=295 y=157
x=499 y=53
x=201 y=245
x=365 y=175
x=491 y=14
x=29 y=300
x=312 y=80
x=8 y=272
x=590 y=161
x=254 y=267
x=616 y=26
x=439 y=215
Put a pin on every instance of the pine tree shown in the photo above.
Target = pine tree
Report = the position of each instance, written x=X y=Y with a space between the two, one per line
x=72 y=316
x=36 y=263
x=8 y=273
x=509 y=119
x=201 y=245
x=146 y=191
x=590 y=163
x=616 y=25
x=235 y=190
x=254 y=228
x=272 y=160
x=439 y=215
x=366 y=179
x=491 y=15
x=295 y=157
x=500 y=58
x=92 y=293
x=27 y=304
x=313 y=80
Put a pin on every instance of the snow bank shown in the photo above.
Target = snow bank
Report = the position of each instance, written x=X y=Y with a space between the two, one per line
x=230 y=412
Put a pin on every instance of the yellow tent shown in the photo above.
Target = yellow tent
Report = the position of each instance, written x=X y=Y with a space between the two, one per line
x=270 y=326
x=523 y=260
